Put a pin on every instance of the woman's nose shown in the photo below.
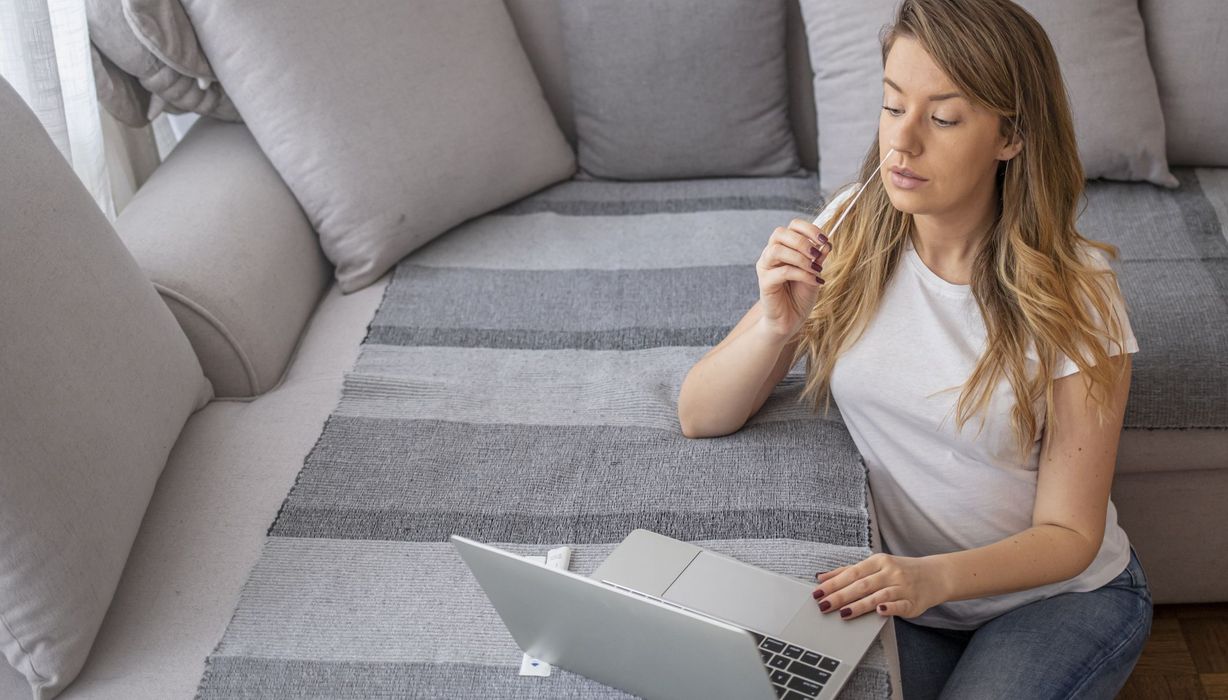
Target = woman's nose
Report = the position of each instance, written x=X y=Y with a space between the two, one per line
x=902 y=137
x=903 y=143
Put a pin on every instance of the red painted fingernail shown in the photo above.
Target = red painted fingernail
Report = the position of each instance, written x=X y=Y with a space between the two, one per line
x=883 y=608
x=825 y=605
x=818 y=594
x=819 y=574
x=820 y=279
x=845 y=612
x=815 y=251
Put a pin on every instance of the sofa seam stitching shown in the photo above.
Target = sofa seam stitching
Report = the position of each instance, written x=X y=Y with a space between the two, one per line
x=253 y=380
x=285 y=373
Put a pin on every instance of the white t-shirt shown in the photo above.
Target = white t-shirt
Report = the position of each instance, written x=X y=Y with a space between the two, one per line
x=937 y=490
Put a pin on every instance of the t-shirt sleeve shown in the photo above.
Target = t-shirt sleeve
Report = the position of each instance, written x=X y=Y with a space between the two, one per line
x=1067 y=366
x=830 y=209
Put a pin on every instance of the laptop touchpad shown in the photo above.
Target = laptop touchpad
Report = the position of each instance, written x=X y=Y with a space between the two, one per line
x=740 y=593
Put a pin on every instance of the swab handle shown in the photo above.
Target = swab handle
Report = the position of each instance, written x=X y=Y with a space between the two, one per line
x=856 y=196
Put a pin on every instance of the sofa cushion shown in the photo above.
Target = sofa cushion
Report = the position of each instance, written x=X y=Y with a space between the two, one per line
x=119 y=92
x=163 y=27
x=1099 y=45
x=1189 y=51
x=242 y=271
x=679 y=88
x=222 y=485
x=390 y=121
x=97 y=381
x=183 y=85
x=541 y=33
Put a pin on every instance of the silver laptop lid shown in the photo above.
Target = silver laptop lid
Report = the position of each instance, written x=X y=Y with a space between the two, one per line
x=624 y=640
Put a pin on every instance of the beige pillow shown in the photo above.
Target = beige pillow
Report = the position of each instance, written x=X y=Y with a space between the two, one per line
x=96 y=381
x=679 y=89
x=1188 y=44
x=152 y=41
x=164 y=29
x=120 y=93
x=390 y=121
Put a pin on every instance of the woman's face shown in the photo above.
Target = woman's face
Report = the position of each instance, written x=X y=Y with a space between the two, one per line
x=936 y=133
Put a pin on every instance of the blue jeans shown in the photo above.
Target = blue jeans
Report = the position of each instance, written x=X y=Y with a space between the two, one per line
x=1071 y=645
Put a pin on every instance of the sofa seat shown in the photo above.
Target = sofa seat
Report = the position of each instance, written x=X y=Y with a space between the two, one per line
x=1172 y=479
x=226 y=477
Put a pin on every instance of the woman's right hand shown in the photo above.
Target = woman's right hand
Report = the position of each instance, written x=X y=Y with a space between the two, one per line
x=789 y=275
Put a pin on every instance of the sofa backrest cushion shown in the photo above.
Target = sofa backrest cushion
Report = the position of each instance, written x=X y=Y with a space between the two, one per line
x=96 y=381
x=1099 y=45
x=539 y=26
x=678 y=89
x=390 y=121
x=1188 y=43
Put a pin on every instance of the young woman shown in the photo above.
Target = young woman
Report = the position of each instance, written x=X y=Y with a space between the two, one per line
x=957 y=286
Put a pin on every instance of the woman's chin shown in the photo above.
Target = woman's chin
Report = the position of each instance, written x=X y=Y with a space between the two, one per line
x=907 y=202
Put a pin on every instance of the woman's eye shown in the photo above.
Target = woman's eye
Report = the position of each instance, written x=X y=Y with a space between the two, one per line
x=895 y=112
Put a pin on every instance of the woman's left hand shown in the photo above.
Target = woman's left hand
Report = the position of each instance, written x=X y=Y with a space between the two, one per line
x=883 y=583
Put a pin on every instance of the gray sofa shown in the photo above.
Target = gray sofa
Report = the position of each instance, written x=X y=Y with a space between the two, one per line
x=275 y=337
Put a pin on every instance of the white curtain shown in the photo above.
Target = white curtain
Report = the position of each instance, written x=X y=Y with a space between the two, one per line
x=45 y=56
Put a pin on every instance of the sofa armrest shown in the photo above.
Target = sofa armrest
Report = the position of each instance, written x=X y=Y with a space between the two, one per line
x=232 y=254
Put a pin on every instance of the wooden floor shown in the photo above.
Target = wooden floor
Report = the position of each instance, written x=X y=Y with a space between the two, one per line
x=1186 y=656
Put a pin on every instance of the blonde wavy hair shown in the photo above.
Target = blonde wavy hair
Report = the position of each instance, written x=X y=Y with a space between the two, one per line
x=1029 y=278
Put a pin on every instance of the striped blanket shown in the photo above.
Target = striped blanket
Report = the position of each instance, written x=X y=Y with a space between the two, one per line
x=518 y=385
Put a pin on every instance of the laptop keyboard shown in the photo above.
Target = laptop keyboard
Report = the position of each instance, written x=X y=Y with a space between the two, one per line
x=796 y=673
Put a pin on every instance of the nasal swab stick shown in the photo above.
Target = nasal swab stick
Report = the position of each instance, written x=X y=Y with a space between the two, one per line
x=855 y=197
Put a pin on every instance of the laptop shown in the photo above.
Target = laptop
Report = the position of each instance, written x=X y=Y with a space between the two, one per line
x=663 y=618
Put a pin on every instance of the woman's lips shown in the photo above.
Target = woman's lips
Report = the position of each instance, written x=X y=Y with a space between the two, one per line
x=905 y=182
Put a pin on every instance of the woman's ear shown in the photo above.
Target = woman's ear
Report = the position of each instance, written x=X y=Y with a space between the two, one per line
x=1011 y=149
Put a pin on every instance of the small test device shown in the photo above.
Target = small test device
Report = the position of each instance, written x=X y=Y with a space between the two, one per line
x=557 y=558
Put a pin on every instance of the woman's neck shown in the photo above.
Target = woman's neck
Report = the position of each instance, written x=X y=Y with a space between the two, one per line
x=948 y=243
